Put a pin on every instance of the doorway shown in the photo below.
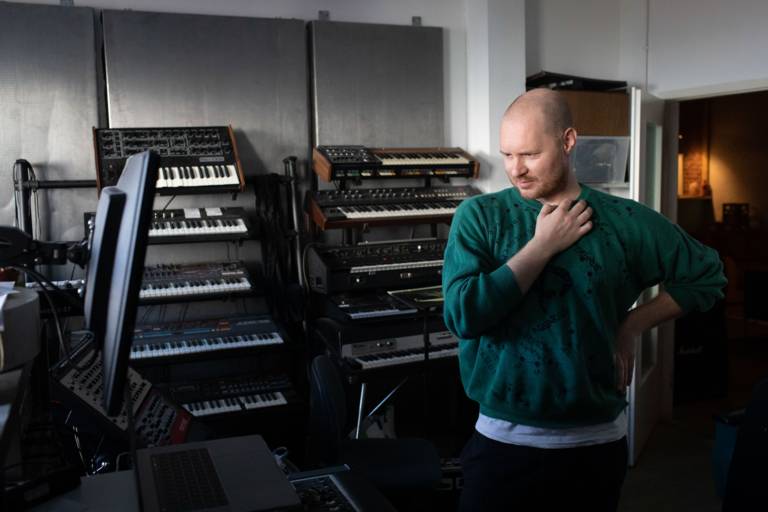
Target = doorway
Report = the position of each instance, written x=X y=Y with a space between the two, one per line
x=723 y=201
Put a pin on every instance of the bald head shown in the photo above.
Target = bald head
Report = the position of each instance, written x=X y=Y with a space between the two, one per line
x=550 y=106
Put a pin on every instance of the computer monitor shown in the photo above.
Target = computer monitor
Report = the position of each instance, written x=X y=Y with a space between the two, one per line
x=102 y=248
x=137 y=181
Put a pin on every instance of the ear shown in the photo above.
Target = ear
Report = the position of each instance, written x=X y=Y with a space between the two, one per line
x=569 y=140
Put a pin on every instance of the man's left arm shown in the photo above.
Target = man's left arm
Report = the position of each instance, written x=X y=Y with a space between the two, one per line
x=692 y=277
x=646 y=316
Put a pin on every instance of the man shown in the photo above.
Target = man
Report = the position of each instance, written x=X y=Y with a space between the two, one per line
x=538 y=281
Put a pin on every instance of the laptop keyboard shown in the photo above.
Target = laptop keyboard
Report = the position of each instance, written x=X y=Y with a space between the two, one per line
x=187 y=480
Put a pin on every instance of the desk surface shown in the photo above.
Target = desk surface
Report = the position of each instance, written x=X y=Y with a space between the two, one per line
x=117 y=492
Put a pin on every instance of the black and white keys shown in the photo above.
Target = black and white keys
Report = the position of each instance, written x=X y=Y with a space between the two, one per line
x=233 y=394
x=194 y=281
x=406 y=356
x=161 y=342
x=405 y=349
x=197 y=176
x=198 y=224
x=192 y=159
x=158 y=349
x=235 y=403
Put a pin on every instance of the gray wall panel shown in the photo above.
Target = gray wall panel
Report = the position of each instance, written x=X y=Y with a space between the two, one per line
x=191 y=70
x=187 y=70
x=48 y=105
x=377 y=85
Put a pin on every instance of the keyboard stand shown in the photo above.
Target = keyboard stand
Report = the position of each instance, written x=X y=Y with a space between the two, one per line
x=426 y=309
x=361 y=404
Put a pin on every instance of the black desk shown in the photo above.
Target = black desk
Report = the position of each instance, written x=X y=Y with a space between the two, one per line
x=116 y=492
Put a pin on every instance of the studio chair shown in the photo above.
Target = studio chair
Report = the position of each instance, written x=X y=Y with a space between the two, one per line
x=394 y=466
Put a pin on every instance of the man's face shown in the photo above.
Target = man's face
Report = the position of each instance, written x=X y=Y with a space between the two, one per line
x=535 y=160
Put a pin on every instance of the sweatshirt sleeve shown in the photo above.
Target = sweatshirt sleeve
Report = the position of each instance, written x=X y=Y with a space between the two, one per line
x=690 y=272
x=478 y=291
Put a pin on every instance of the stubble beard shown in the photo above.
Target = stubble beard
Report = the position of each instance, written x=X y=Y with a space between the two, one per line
x=549 y=188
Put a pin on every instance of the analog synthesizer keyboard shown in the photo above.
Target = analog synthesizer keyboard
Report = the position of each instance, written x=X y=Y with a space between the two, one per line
x=233 y=394
x=161 y=342
x=196 y=281
x=339 y=162
x=375 y=265
x=369 y=346
x=192 y=160
x=381 y=206
x=194 y=225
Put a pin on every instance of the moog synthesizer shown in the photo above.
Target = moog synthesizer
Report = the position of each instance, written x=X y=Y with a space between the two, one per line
x=192 y=160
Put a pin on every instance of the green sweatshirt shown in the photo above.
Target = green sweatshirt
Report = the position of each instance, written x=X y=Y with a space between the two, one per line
x=546 y=358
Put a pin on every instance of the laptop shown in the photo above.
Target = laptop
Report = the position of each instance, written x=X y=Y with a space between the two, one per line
x=233 y=474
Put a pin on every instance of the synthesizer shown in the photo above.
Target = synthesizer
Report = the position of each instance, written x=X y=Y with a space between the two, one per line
x=157 y=421
x=192 y=160
x=385 y=345
x=373 y=265
x=364 y=305
x=196 y=281
x=194 y=225
x=380 y=206
x=342 y=162
x=233 y=394
x=320 y=492
x=186 y=340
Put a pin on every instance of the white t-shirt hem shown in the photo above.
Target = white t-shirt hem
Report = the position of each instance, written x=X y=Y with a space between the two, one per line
x=551 y=438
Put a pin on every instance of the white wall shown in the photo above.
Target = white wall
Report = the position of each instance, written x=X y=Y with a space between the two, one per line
x=576 y=38
x=695 y=48
x=707 y=47
x=495 y=70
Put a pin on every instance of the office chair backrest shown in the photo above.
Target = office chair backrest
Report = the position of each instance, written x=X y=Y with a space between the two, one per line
x=328 y=408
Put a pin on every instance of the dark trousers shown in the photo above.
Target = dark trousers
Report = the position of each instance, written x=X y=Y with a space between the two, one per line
x=507 y=477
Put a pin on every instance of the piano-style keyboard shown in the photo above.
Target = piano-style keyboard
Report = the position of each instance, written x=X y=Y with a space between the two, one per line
x=200 y=176
x=340 y=162
x=232 y=395
x=235 y=403
x=192 y=160
x=371 y=265
x=197 y=281
x=194 y=225
x=161 y=342
x=371 y=346
x=404 y=356
x=355 y=207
